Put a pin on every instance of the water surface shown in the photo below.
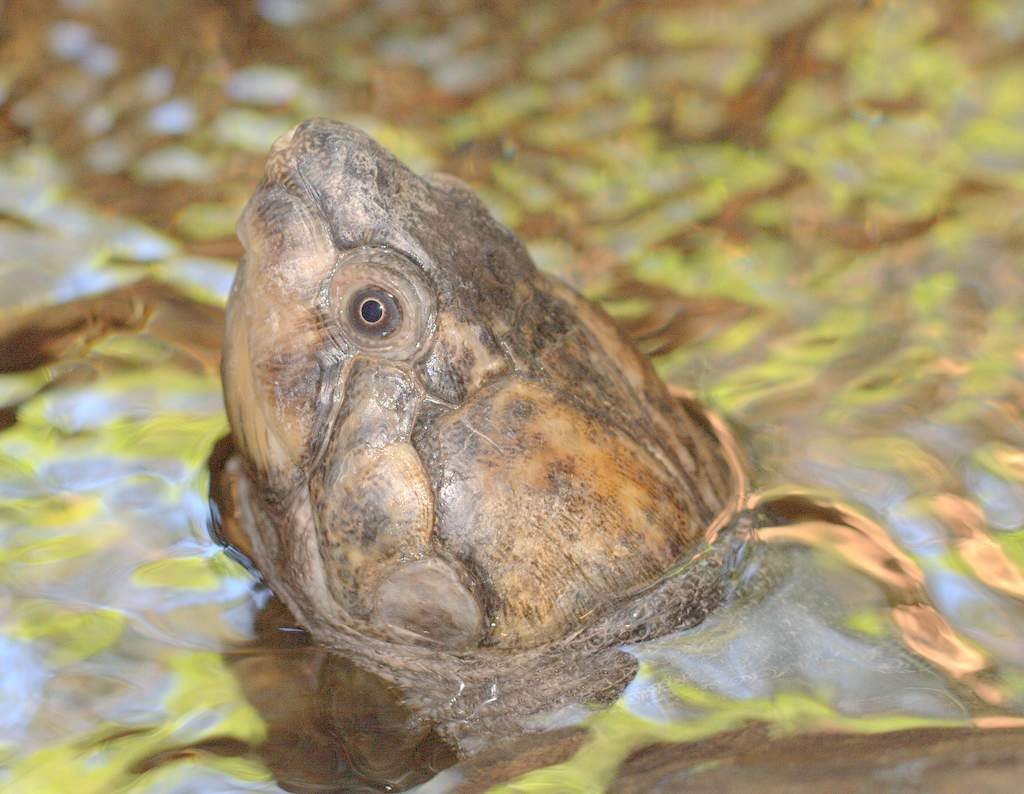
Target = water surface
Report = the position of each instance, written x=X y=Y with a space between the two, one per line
x=811 y=213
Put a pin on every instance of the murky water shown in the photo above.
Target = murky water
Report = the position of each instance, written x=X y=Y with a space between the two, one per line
x=810 y=212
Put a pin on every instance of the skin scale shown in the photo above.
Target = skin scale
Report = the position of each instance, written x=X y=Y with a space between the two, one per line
x=451 y=465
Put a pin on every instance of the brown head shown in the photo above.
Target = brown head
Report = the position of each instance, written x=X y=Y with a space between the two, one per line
x=442 y=445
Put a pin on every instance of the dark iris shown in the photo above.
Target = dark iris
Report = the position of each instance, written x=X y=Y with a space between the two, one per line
x=371 y=310
x=374 y=311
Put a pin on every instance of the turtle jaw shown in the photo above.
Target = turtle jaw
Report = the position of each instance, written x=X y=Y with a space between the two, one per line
x=372 y=508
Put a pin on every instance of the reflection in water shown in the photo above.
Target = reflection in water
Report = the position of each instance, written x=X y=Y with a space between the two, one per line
x=866 y=546
x=987 y=560
x=809 y=211
x=330 y=725
x=927 y=633
x=862 y=543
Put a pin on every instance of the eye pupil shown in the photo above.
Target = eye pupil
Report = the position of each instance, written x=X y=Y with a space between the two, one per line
x=371 y=310
x=374 y=312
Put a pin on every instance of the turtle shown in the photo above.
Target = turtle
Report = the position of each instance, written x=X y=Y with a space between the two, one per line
x=450 y=466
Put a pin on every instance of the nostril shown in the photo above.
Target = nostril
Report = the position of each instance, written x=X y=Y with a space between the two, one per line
x=428 y=599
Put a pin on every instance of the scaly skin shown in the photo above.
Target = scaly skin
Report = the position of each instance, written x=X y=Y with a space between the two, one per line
x=481 y=474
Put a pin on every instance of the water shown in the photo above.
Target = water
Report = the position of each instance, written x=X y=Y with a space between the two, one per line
x=809 y=211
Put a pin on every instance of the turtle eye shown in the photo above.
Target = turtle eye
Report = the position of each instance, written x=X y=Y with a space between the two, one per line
x=375 y=311
x=379 y=303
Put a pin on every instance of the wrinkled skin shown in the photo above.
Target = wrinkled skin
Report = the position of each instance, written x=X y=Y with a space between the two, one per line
x=445 y=454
